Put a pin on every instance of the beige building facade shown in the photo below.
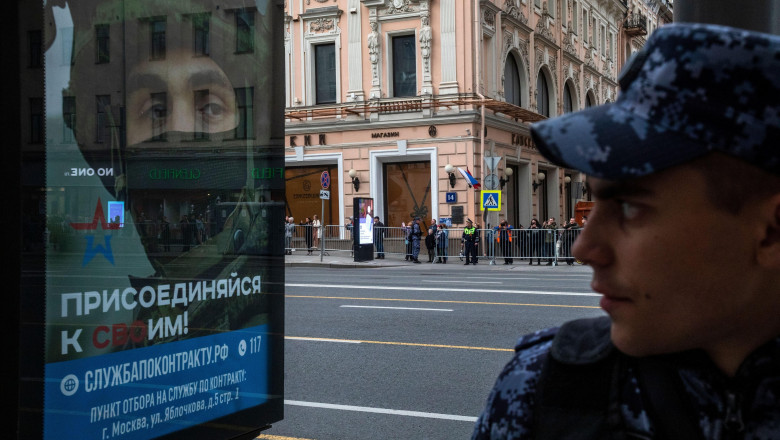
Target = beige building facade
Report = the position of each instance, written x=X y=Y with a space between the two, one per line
x=391 y=97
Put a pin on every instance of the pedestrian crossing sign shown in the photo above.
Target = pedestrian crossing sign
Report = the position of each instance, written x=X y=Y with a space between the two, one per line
x=491 y=200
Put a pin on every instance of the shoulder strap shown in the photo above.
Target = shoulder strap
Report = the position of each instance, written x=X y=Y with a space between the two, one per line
x=666 y=401
x=577 y=393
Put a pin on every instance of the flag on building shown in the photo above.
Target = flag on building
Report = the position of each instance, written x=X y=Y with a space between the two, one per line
x=469 y=178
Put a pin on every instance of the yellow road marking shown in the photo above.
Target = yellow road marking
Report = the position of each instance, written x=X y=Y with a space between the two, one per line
x=441 y=301
x=412 y=344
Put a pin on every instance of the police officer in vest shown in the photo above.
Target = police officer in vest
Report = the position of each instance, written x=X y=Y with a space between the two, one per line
x=470 y=242
x=691 y=345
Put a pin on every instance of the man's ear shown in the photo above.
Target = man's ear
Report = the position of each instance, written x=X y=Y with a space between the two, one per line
x=769 y=248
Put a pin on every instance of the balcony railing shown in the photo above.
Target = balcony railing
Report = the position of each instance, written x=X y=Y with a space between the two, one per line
x=635 y=25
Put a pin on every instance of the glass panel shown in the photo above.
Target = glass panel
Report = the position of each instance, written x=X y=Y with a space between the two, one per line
x=543 y=102
x=302 y=194
x=154 y=253
x=245 y=110
x=245 y=28
x=325 y=73
x=407 y=193
x=512 y=82
x=158 y=39
x=103 y=54
x=404 y=66
x=103 y=103
x=200 y=40
x=567 y=102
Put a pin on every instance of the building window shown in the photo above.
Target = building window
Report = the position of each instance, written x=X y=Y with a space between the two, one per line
x=589 y=101
x=568 y=102
x=103 y=104
x=35 y=47
x=585 y=25
x=158 y=113
x=69 y=117
x=512 y=82
x=404 y=66
x=158 y=38
x=603 y=41
x=245 y=31
x=542 y=95
x=36 y=120
x=102 y=48
x=575 y=17
x=564 y=14
x=551 y=8
x=200 y=34
x=538 y=3
x=245 y=107
x=325 y=73
x=406 y=186
x=203 y=111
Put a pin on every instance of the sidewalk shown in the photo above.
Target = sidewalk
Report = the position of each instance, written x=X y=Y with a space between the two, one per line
x=343 y=260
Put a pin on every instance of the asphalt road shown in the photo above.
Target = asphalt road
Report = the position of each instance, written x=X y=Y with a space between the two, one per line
x=411 y=352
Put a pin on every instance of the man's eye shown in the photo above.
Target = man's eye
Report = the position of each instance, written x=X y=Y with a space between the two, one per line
x=158 y=111
x=212 y=110
x=628 y=210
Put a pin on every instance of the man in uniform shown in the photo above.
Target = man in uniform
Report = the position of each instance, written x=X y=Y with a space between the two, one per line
x=416 y=235
x=470 y=242
x=691 y=347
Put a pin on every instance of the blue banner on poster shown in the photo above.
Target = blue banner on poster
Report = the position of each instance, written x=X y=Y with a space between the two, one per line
x=153 y=391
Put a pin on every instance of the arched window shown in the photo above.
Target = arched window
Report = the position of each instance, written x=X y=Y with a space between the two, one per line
x=512 y=82
x=568 y=102
x=542 y=95
x=589 y=101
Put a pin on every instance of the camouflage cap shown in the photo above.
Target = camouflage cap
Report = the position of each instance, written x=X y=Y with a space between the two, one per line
x=693 y=89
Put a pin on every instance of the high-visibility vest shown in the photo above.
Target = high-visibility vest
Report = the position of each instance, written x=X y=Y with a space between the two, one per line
x=509 y=234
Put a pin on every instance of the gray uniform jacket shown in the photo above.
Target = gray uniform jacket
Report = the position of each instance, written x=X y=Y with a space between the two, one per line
x=746 y=406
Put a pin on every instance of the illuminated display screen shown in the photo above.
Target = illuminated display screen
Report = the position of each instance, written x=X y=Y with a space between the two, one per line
x=164 y=178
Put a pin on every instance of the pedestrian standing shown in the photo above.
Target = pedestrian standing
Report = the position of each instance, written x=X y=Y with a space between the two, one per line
x=308 y=234
x=504 y=239
x=442 y=243
x=379 y=238
x=549 y=240
x=430 y=245
x=289 y=231
x=316 y=232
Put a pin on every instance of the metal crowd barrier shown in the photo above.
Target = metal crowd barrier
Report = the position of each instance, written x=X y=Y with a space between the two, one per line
x=545 y=246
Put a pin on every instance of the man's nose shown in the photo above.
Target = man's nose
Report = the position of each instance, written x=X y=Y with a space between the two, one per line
x=592 y=246
x=181 y=116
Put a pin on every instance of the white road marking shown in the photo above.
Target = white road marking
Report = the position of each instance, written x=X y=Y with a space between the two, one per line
x=438 y=289
x=461 y=282
x=398 y=308
x=369 y=409
x=345 y=341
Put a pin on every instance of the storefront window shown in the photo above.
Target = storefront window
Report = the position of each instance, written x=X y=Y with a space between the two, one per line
x=303 y=193
x=407 y=192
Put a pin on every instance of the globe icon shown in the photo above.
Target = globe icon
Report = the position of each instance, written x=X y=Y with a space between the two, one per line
x=69 y=385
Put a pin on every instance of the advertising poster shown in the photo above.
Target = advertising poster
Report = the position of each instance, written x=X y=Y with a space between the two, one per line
x=366 y=219
x=164 y=272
